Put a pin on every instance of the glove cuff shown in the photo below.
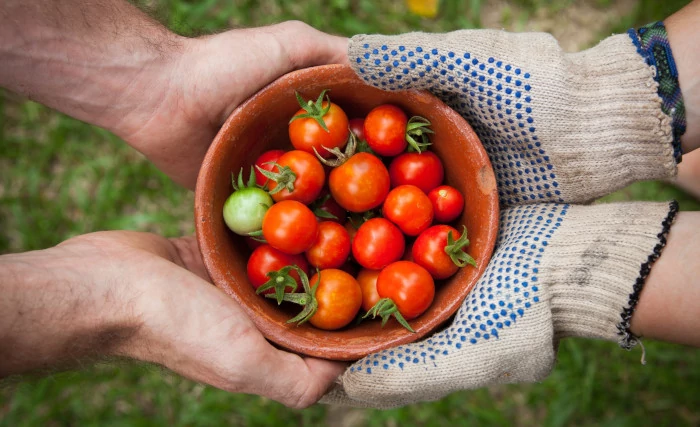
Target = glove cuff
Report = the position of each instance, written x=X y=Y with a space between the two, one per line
x=604 y=255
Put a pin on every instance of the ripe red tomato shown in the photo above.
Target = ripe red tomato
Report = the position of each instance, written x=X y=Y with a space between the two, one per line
x=385 y=130
x=431 y=251
x=306 y=133
x=377 y=244
x=357 y=127
x=409 y=285
x=265 y=162
x=359 y=184
x=290 y=227
x=339 y=299
x=266 y=259
x=424 y=170
x=331 y=248
x=448 y=203
x=408 y=207
x=368 y=284
x=301 y=175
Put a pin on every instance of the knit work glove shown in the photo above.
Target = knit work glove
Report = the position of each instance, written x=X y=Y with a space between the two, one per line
x=558 y=127
x=558 y=271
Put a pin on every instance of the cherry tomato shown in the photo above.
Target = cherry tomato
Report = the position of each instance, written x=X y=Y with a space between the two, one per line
x=359 y=184
x=357 y=127
x=408 y=207
x=448 y=203
x=331 y=248
x=409 y=285
x=265 y=162
x=368 y=284
x=377 y=244
x=302 y=172
x=339 y=299
x=290 y=227
x=424 y=170
x=306 y=133
x=431 y=251
x=266 y=259
x=245 y=208
x=385 y=130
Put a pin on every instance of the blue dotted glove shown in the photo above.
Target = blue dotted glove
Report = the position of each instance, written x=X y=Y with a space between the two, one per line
x=559 y=270
x=558 y=127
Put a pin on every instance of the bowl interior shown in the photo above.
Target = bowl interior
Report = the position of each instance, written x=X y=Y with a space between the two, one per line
x=260 y=124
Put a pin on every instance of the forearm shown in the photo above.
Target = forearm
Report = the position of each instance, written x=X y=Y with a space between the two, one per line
x=683 y=35
x=91 y=60
x=669 y=305
x=52 y=317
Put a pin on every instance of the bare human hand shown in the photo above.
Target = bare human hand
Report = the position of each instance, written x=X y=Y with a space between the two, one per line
x=142 y=296
x=113 y=66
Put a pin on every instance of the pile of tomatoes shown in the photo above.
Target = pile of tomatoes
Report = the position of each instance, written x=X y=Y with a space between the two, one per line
x=361 y=206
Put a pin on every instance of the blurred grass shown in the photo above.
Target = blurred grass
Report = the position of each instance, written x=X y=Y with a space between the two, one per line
x=60 y=178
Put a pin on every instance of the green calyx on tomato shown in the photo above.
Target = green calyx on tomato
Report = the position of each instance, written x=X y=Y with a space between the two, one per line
x=340 y=156
x=418 y=133
x=316 y=208
x=386 y=308
x=285 y=177
x=359 y=218
x=314 y=110
x=455 y=249
x=363 y=147
x=307 y=299
x=279 y=280
x=245 y=208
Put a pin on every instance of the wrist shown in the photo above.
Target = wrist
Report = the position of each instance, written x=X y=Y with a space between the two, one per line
x=683 y=33
x=105 y=63
x=604 y=255
x=54 y=315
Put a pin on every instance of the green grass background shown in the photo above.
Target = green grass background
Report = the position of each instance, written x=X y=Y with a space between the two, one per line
x=60 y=177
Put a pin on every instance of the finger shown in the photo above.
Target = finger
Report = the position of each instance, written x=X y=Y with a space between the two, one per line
x=189 y=256
x=306 y=46
x=297 y=382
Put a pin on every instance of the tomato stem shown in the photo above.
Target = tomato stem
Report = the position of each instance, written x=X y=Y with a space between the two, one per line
x=418 y=133
x=314 y=110
x=386 y=308
x=239 y=185
x=307 y=298
x=284 y=177
x=455 y=249
x=340 y=157
x=278 y=280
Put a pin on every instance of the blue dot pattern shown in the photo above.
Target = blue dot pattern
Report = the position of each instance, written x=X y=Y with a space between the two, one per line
x=494 y=96
x=507 y=290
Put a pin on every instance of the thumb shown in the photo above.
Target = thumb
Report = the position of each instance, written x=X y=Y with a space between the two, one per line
x=306 y=46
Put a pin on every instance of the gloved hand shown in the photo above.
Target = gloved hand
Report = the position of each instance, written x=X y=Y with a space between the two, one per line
x=562 y=128
x=559 y=271
x=558 y=127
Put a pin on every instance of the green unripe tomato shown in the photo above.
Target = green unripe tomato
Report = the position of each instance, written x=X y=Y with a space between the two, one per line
x=245 y=208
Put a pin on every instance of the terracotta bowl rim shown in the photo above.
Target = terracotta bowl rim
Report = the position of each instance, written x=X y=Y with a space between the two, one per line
x=279 y=334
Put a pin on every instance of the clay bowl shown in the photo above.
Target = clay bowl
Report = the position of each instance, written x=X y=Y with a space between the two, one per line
x=258 y=125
